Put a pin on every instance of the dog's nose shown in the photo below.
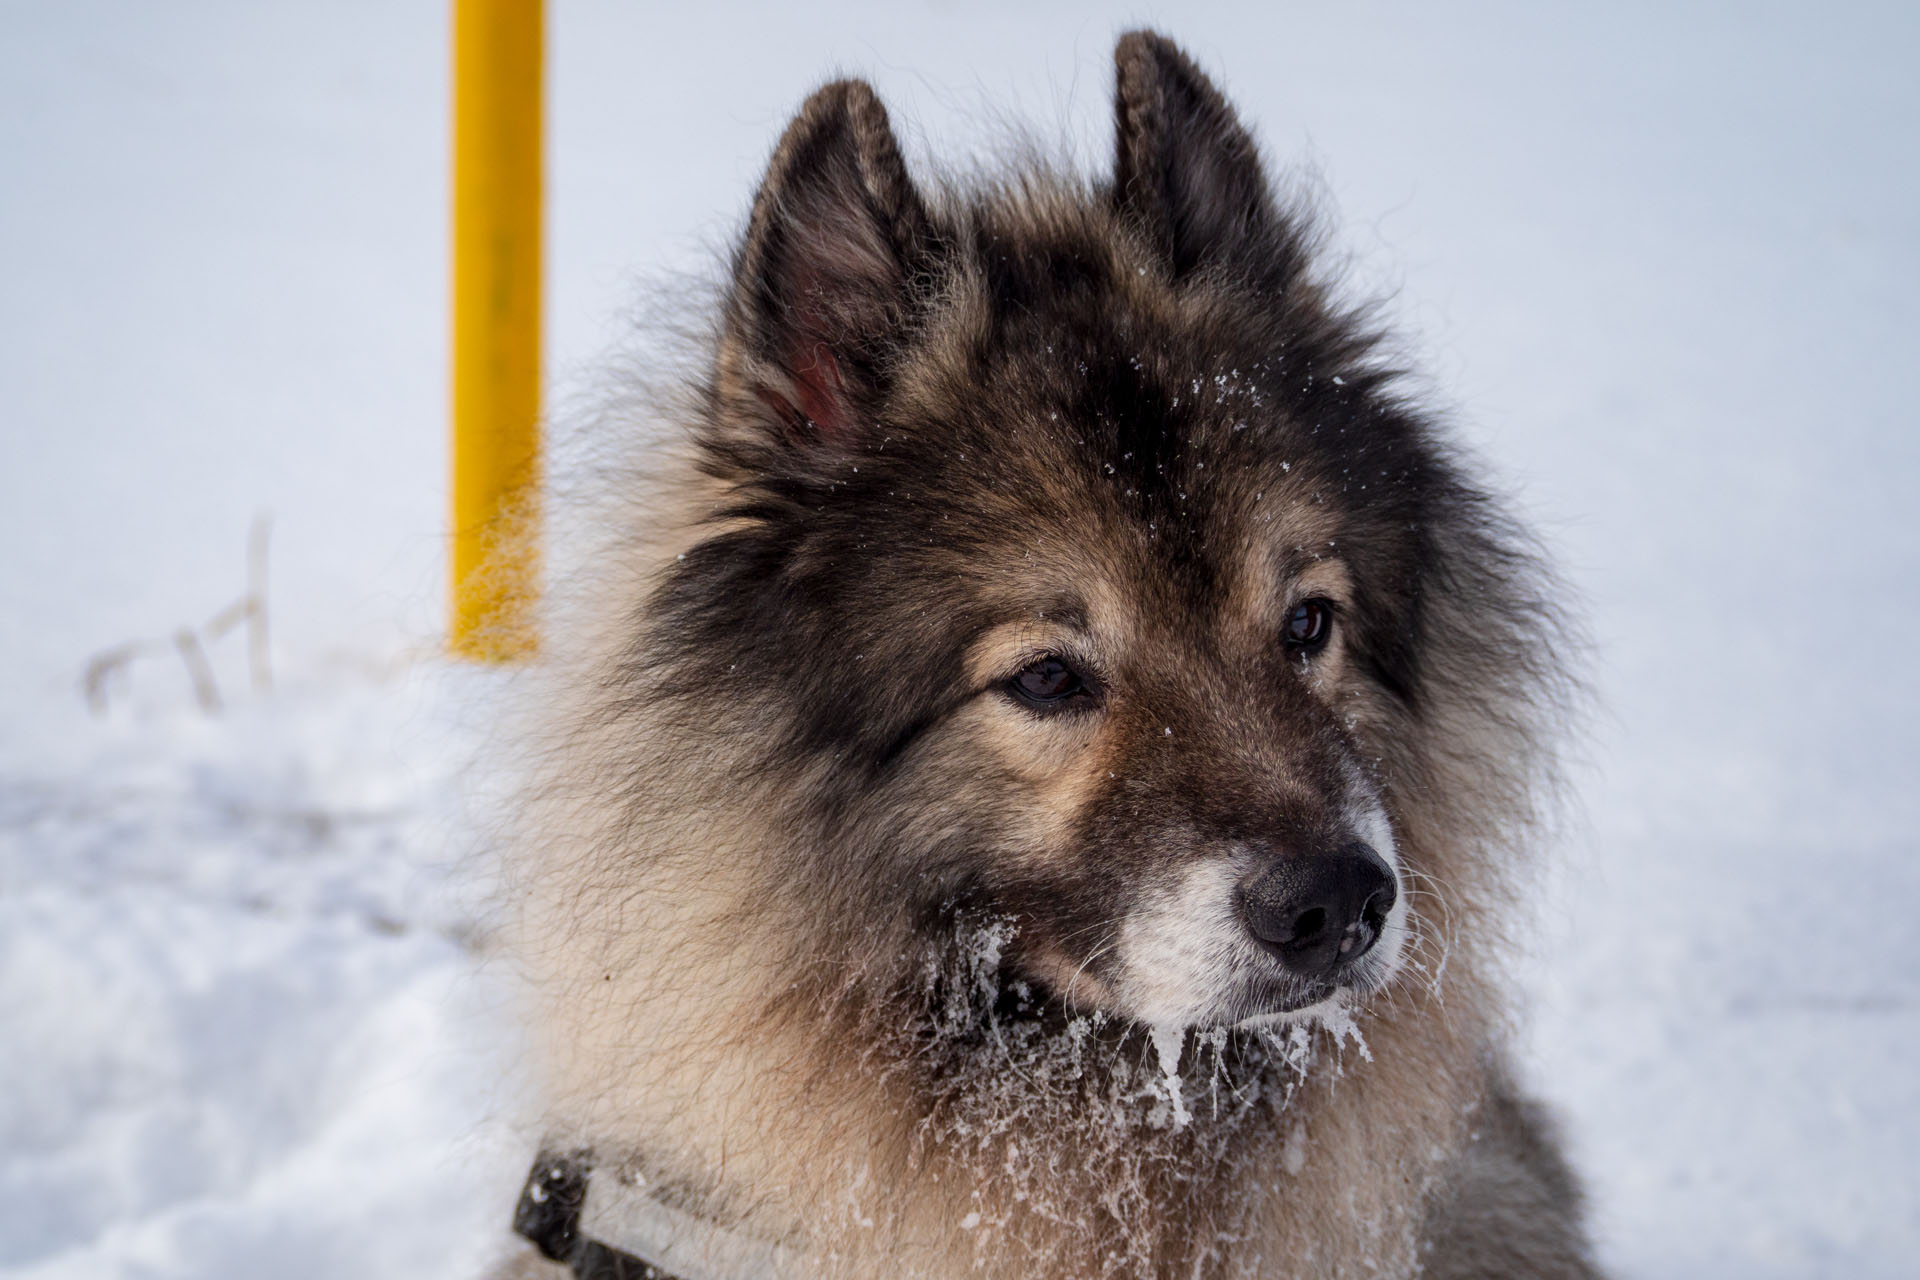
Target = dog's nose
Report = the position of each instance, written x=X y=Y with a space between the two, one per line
x=1321 y=913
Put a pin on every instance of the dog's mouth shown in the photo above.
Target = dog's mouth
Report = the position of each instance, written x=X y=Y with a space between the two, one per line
x=1264 y=1003
x=1266 y=1000
x=1259 y=997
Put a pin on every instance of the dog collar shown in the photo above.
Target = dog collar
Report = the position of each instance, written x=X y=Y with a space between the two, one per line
x=613 y=1230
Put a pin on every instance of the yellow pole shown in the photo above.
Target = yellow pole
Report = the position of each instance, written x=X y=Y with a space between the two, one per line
x=497 y=60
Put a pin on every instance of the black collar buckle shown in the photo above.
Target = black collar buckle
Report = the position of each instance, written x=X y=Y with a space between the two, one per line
x=548 y=1215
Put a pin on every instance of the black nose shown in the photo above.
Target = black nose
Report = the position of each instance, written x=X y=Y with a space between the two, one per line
x=1319 y=914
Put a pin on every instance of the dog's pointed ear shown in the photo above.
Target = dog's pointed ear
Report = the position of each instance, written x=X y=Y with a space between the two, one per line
x=824 y=282
x=1185 y=169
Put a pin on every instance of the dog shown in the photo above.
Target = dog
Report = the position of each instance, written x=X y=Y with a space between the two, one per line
x=1035 y=777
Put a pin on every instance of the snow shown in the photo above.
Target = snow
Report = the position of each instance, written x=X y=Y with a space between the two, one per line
x=1661 y=261
x=1169 y=1040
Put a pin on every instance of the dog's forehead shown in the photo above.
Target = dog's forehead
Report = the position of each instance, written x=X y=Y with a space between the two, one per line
x=1142 y=422
x=1072 y=419
x=1071 y=344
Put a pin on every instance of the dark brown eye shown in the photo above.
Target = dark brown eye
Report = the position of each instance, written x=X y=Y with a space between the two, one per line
x=1309 y=623
x=1047 y=683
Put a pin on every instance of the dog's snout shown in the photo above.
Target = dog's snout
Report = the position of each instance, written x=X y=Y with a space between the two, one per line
x=1320 y=913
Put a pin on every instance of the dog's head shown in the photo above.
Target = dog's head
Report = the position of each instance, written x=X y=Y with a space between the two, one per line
x=1079 y=566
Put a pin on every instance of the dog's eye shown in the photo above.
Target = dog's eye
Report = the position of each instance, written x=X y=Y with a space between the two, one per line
x=1309 y=623
x=1048 y=683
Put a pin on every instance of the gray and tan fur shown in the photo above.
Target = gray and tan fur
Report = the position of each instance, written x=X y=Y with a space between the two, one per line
x=838 y=940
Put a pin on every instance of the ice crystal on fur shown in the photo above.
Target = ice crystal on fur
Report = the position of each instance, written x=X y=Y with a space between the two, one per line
x=1168 y=1042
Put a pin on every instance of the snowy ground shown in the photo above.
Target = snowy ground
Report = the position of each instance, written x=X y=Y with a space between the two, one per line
x=1665 y=263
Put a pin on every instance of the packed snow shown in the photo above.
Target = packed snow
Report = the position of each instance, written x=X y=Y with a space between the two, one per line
x=1658 y=263
x=1169 y=1040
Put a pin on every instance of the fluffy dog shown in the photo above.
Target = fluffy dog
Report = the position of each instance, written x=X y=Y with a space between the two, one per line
x=1033 y=784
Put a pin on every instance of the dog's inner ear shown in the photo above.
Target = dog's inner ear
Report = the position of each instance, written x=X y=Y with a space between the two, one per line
x=823 y=287
x=1185 y=170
